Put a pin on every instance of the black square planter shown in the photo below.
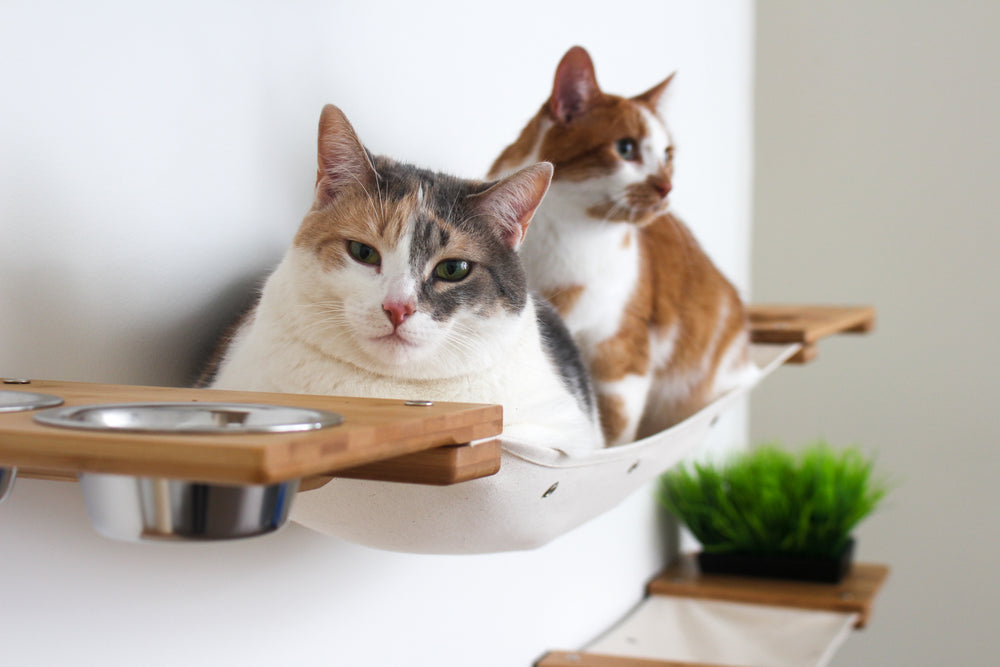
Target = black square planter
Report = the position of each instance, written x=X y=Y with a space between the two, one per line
x=778 y=566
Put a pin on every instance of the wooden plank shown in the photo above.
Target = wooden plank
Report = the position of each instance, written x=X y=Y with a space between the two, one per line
x=855 y=593
x=47 y=475
x=806 y=353
x=783 y=324
x=441 y=466
x=373 y=430
x=583 y=659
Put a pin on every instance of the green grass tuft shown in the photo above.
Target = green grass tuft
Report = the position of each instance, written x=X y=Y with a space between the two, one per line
x=768 y=501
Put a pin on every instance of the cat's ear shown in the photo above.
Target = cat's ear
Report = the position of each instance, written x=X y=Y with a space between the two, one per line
x=513 y=200
x=654 y=98
x=343 y=160
x=575 y=88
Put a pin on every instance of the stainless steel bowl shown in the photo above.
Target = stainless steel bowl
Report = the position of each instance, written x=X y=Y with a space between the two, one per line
x=20 y=401
x=133 y=508
x=137 y=509
x=217 y=418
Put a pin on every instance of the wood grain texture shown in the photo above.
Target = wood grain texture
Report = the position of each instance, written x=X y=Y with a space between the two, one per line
x=373 y=430
x=440 y=466
x=783 y=324
x=49 y=475
x=806 y=353
x=580 y=659
x=855 y=593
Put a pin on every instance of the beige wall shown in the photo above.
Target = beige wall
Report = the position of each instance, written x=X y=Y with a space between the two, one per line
x=877 y=161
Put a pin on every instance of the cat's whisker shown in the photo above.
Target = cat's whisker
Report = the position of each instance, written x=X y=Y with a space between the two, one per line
x=459 y=340
x=377 y=211
x=329 y=333
x=331 y=320
x=619 y=203
x=324 y=313
x=451 y=209
x=381 y=202
x=323 y=305
x=462 y=341
x=472 y=218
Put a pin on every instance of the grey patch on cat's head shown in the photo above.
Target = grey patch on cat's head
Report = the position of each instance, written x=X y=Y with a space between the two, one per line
x=445 y=209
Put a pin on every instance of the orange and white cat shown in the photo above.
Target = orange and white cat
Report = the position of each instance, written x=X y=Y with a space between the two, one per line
x=661 y=329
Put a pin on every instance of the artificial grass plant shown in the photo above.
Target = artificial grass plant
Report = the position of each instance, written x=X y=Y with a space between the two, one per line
x=770 y=501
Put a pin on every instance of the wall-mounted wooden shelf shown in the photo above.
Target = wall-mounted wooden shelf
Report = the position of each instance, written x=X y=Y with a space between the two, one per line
x=853 y=596
x=806 y=325
x=379 y=439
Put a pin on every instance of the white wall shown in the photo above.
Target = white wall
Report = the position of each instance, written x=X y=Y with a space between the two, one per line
x=877 y=155
x=157 y=157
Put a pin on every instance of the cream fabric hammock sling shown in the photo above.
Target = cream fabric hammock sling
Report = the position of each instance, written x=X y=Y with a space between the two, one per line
x=539 y=494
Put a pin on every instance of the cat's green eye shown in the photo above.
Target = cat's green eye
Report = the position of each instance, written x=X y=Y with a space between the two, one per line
x=364 y=253
x=627 y=149
x=670 y=153
x=452 y=270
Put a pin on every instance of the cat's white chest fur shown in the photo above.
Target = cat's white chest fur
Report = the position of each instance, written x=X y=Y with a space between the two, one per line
x=568 y=250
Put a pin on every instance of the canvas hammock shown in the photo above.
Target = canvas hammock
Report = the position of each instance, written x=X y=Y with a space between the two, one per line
x=539 y=494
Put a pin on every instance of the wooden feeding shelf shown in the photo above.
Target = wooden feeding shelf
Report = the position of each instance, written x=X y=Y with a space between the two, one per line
x=379 y=439
x=806 y=325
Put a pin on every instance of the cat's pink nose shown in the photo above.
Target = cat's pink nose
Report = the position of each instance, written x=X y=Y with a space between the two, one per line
x=397 y=311
x=661 y=185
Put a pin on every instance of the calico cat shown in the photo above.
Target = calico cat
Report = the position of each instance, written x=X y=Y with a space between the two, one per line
x=403 y=283
x=661 y=329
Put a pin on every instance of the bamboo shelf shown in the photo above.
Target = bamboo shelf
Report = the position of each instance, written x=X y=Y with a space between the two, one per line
x=854 y=595
x=806 y=325
x=379 y=439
